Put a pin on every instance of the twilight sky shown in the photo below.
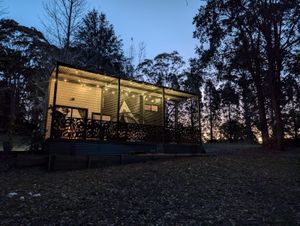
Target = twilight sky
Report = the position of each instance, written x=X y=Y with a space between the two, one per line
x=163 y=25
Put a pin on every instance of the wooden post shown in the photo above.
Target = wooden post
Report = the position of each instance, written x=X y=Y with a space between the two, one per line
x=54 y=100
x=176 y=120
x=142 y=109
x=118 y=106
x=163 y=115
x=192 y=108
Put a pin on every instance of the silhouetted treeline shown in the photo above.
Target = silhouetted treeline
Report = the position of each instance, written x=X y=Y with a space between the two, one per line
x=253 y=47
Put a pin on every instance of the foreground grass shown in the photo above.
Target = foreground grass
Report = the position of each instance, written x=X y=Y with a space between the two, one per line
x=239 y=188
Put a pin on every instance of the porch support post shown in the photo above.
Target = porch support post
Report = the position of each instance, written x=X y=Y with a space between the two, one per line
x=54 y=100
x=199 y=118
x=118 y=106
x=176 y=120
x=163 y=114
x=119 y=98
x=192 y=108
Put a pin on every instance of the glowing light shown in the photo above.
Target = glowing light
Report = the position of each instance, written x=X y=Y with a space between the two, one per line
x=133 y=95
x=113 y=92
x=152 y=101
x=65 y=80
x=79 y=80
x=105 y=88
x=146 y=99
x=97 y=86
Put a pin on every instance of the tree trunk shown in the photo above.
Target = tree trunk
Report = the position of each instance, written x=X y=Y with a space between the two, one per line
x=229 y=120
x=278 y=118
x=67 y=46
x=249 y=133
x=257 y=77
x=210 y=121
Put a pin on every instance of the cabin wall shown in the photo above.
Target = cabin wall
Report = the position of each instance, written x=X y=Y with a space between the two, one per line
x=154 y=117
x=110 y=103
x=73 y=95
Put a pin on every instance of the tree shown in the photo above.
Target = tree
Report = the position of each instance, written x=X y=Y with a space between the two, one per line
x=233 y=131
x=98 y=46
x=212 y=101
x=291 y=107
x=141 y=52
x=249 y=106
x=165 y=69
x=268 y=29
x=230 y=104
x=62 y=19
x=27 y=80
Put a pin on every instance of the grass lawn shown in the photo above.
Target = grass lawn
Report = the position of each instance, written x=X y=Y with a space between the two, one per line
x=250 y=187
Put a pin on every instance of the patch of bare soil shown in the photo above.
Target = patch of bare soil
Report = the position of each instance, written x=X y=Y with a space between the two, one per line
x=238 y=188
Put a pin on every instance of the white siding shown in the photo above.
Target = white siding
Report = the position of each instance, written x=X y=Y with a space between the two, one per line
x=74 y=95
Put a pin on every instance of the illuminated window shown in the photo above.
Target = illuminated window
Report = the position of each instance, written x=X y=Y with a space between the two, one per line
x=149 y=107
x=106 y=117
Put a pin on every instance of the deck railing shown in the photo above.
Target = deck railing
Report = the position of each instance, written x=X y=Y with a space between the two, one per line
x=88 y=129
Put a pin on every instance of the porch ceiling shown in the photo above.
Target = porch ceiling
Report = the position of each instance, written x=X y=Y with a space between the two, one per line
x=71 y=74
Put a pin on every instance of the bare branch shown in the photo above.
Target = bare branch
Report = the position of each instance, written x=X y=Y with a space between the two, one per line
x=61 y=19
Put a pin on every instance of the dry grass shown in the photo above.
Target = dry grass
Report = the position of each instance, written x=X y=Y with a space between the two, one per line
x=232 y=188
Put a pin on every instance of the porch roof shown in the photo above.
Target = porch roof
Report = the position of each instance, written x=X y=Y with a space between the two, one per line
x=70 y=71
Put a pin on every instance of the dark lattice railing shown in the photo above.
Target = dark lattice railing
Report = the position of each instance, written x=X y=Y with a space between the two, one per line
x=78 y=128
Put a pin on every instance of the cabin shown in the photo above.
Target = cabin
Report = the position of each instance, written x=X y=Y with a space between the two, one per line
x=92 y=113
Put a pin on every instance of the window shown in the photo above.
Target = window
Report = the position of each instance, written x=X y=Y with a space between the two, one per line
x=96 y=116
x=99 y=116
x=149 y=107
x=106 y=118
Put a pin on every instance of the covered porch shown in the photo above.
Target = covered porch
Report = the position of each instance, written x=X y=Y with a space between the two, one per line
x=89 y=106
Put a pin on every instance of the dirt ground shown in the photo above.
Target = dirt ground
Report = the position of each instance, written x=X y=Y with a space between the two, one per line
x=245 y=187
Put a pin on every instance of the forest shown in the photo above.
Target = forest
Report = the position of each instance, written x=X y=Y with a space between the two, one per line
x=246 y=69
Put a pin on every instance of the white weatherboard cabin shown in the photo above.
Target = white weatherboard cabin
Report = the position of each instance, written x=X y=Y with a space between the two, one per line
x=92 y=113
